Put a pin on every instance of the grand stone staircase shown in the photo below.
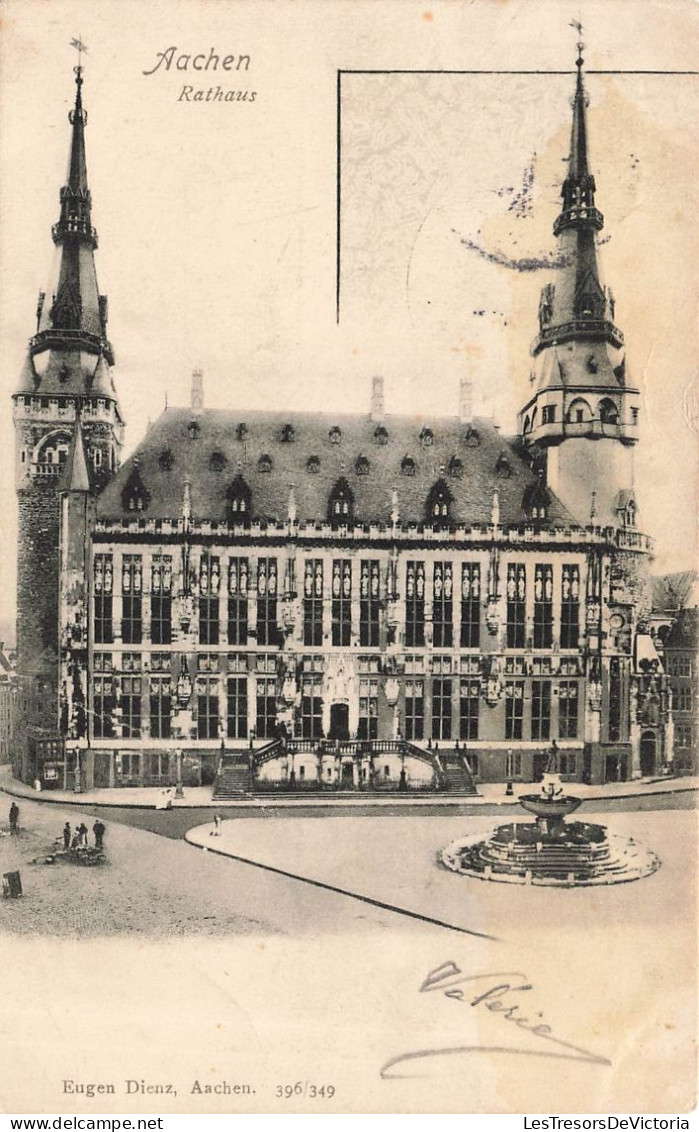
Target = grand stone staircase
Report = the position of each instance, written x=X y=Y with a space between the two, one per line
x=457 y=777
x=233 y=778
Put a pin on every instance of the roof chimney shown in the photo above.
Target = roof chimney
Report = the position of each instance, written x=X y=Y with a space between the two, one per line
x=378 y=408
x=466 y=401
x=197 y=395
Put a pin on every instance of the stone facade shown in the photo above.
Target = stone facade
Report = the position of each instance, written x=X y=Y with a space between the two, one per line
x=422 y=610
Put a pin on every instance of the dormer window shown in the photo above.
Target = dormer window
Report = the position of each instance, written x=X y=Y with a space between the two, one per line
x=381 y=435
x=361 y=466
x=407 y=466
x=341 y=504
x=217 y=461
x=536 y=502
x=473 y=438
x=313 y=465
x=456 y=468
x=426 y=438
x=241 y=432
x=239 y=501
x=503 y=467
x=166 y=460
x=335 y=435
x=193 y=430
x=135 y=496
x=264 y=464
x=288 y=434
x=438 y=505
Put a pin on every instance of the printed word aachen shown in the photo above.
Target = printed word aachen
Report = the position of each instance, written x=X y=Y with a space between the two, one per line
x=198 y=62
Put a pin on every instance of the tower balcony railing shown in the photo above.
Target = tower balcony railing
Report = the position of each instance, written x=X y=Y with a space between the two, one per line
x=593 y=429
x=45 y=471
x=74 y=226
x=578 y=328
x=62 y=338
x=578 y=214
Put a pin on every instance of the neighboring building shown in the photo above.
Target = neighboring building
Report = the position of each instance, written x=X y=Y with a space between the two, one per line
x=675 y=622
x=428 y=606
x=8 y=701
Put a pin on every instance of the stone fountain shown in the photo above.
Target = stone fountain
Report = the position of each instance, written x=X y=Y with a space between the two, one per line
x=548 y=851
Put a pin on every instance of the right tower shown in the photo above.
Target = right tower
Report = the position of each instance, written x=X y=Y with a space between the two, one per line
x=581 y=411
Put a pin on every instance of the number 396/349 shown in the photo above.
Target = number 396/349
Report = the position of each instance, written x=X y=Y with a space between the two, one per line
x=305 y=1089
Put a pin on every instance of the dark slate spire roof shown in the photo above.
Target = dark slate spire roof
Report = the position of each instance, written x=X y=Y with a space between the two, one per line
x=71 y=336
x=211 y=449
x=578 y=307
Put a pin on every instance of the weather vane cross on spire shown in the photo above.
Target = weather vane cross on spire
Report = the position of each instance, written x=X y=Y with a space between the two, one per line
x=580 y=45
x=79 y=47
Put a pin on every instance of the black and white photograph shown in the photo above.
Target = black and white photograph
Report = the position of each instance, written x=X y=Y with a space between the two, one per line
x=348 y=602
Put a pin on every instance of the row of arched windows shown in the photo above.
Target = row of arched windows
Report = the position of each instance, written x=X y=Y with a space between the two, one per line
x=579 y=412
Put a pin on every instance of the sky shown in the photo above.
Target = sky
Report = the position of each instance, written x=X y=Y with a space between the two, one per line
x=217 y=220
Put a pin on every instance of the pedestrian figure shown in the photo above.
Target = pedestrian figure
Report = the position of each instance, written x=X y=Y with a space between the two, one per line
x=75 y=842
x=14 y=818
x=66 y=835
x=216 y=831
x=82 y=830
x=99 y=829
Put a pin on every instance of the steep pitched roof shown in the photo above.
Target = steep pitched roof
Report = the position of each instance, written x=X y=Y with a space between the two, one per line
x=211 y=449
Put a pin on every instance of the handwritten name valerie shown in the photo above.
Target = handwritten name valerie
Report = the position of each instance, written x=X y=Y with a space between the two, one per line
x=500 y=993
x=174 y=59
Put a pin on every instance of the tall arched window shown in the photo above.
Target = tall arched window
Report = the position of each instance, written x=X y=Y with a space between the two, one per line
x=239 y=501
x=579 y=411
x=438 y=506
x=341 y=504
x=608 y=412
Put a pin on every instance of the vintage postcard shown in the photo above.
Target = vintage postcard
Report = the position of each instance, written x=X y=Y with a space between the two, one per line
x=349 y=594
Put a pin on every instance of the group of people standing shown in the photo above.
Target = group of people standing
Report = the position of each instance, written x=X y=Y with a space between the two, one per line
x=77 y=838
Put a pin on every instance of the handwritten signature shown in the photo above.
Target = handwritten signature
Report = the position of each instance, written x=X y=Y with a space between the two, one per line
x=500 y=998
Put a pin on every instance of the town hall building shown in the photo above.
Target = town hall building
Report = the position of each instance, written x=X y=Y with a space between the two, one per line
x=304 y=601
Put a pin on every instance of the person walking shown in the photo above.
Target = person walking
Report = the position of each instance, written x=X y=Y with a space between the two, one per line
x=216 y=831
x=66 y=835
x=99 y=830
x=14 y=818
x=82 y=830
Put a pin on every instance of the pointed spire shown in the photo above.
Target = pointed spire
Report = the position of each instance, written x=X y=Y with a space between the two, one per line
x=578 y=189
x=577 y=306
x=75 y=317
x=75 y=474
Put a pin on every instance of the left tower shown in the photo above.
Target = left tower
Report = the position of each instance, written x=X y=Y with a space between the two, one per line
x=65 y=401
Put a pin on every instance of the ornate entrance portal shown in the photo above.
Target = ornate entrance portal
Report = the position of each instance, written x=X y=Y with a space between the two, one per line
x=339 y=722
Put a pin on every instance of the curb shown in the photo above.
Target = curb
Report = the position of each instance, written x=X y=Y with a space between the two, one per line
x=261 y=802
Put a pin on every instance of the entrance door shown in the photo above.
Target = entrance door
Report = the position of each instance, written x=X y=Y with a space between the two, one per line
x=347 y=775
x=339 y=722
x=647 y=754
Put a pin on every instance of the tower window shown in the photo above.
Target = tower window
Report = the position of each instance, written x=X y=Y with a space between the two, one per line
x=341 y=504
x=548 y=414
x=634 y=416
x=438 y=505
x=608 y=412
x=408 y=466
x=579 y=411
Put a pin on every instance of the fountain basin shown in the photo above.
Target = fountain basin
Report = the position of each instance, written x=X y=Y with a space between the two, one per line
x=558 y=807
